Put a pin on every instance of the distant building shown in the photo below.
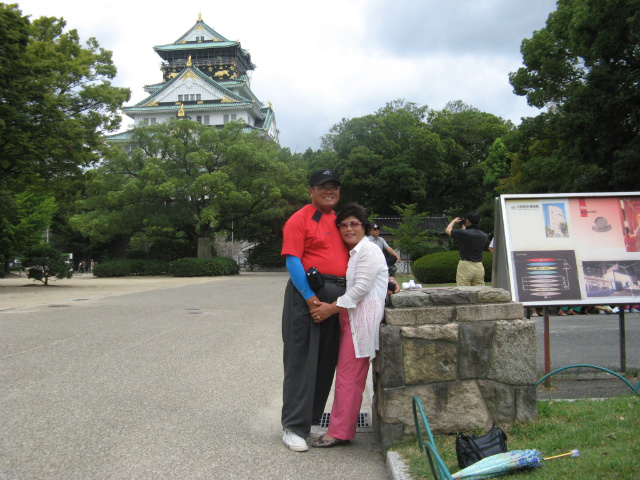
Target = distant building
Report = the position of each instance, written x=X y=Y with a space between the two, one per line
x=205 y=78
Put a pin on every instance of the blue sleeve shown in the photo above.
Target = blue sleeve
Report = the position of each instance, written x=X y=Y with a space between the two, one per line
x=299 y=277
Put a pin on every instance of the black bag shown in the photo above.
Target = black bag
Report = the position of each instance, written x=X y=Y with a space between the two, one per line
x=471 y=449
x=315 y=279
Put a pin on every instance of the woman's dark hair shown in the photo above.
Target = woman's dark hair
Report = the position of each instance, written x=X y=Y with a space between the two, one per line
x=355 y=210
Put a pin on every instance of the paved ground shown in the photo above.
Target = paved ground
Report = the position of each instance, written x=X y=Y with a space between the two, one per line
x=162 y=377
x=175 y=383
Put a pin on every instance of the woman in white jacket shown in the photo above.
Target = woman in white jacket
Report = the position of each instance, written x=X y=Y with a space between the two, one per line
x=361 y=310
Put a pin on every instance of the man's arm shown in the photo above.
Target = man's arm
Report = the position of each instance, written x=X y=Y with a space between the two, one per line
x=452 y=224
x=299 y=280
x=393 y=252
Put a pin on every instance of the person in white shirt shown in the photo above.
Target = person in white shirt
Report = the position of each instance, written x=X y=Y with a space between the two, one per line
x=361 y=310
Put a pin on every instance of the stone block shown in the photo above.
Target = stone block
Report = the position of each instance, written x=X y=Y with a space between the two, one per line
x=409 y=299
x=489 y=312
x=390 y=433
x=388 y=363
x=418 y=316
x=509 y=405
x=493 y=295
x=513 y=356
x=453 y=296
x=427 y=361
x=500 y=402
x=474 y=354
x=445 y=333
x=526 y=399
x=449 y=407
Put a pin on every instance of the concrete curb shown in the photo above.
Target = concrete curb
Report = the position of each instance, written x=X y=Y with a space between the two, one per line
x=397 y=467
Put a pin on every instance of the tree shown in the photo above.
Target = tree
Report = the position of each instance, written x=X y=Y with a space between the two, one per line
x=187 y=180
x=56 y=100
x=387 y=158
x=583 y=66
x=24 y=217
x=413 y=239
x=467 y=135
x=45 y=262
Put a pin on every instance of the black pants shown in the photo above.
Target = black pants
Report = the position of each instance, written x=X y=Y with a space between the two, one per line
x=310 y=357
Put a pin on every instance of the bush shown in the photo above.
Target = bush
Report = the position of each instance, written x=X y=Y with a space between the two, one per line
x=442 y=267
x=204 y=267
x=171 y=249
x=46 y=262
x=423 y=249
x=123 y=268
x=267 y=255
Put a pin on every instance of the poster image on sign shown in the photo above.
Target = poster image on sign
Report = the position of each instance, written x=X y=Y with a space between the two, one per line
x=612 y=278
x=555 y=220
x=546 y=275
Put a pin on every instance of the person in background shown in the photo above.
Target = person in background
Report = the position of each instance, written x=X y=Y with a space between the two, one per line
x=384 y=246
x=310 y=349
x=471 y=242
x=360 y=310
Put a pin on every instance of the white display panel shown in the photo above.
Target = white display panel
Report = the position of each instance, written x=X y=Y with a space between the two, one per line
x=570 y=249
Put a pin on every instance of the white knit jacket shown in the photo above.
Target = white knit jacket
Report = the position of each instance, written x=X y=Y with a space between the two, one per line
x=367 y=279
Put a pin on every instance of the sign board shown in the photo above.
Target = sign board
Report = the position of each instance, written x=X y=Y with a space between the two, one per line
x=569 y=249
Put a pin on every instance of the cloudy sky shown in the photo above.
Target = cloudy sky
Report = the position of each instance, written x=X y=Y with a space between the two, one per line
x=320 y=62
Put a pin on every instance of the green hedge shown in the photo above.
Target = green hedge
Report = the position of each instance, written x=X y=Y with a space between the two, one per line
x=267 y=255
x=203 y=267
x=441 y=267
x=123 y=268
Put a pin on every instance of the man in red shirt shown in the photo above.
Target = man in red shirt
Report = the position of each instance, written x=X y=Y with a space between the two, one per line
x=311 y=239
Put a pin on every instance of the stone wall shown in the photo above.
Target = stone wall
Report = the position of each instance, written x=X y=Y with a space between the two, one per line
x=466 y=352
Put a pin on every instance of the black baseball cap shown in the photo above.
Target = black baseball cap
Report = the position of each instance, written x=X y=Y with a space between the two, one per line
x=321 y=176
x=374 y=226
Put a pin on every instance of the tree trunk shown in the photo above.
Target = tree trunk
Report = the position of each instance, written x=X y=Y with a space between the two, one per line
x=204 y=247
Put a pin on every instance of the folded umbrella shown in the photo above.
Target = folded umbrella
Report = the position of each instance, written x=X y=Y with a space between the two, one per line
x=503 y=463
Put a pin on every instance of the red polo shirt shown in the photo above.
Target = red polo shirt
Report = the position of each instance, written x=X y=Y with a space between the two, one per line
x=313 y=237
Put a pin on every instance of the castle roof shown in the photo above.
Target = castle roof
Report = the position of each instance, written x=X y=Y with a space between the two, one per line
x=230 y=99
x=212 y=40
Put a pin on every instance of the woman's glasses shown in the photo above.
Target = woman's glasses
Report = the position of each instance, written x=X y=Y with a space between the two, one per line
x=353 y=225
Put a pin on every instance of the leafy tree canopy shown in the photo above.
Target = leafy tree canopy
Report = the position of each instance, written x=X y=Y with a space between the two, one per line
x=187 y=180
x=56 y=100
x=583 y=66
x=405 y=154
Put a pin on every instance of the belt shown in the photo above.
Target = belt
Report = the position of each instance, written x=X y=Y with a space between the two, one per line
x=472 y=261
x=339 y=281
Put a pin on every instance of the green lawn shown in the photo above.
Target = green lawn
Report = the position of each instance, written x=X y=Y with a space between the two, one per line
x=607 y=433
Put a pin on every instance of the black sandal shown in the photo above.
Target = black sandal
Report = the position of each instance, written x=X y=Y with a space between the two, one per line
x=322 y=443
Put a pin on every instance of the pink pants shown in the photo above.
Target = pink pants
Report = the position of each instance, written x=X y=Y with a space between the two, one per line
x=351 y=377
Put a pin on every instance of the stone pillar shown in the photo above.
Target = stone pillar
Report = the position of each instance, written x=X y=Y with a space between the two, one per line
x=466 y=352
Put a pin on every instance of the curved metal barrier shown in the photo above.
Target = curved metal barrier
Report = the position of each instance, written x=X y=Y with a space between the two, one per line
x=615 y=374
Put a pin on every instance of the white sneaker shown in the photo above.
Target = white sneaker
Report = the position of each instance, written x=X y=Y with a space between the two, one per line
x=615 y=310
x=294 y=442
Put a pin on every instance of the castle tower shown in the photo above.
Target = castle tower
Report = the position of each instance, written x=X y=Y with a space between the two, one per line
x=206 y=78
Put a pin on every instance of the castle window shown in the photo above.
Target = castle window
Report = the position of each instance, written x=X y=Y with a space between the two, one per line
x=153 y=121
x=206 y=119
x=199 y=118
x=227 y=119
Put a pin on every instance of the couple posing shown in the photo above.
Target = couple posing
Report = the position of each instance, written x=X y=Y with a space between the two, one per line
x=335 y=325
